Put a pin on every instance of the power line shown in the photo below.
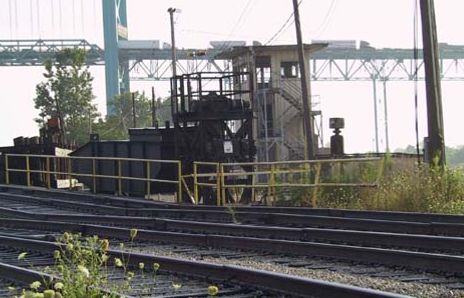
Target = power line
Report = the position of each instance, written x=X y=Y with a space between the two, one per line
x=327 y=18
x=290 y=21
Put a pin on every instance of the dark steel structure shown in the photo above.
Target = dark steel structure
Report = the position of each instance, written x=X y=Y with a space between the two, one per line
x=212 y=119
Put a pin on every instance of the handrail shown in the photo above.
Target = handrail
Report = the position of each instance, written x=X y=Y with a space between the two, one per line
x=69 y=173
x=217 y=176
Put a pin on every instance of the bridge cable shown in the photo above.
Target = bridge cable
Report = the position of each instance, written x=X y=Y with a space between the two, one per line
x=60 y=18
x=31 y=17
x=53 y=16
x=16 y=17
x=10 y=18
x=38 y=17
x=82 y=18
x=416 y=69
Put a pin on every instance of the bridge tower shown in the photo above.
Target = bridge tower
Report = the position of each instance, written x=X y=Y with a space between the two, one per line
x=114 y=29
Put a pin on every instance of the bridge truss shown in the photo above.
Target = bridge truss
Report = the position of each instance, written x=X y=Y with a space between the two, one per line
x=378 y=66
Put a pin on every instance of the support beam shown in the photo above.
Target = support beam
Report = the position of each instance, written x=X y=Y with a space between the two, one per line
x=111 y=52
x=385 y=111
x=376 y=114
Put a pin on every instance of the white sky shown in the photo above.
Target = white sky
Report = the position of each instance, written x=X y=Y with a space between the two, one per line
x=383 y=23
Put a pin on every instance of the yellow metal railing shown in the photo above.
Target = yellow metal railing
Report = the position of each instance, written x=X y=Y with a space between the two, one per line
x=269 y=177
x=68 y=172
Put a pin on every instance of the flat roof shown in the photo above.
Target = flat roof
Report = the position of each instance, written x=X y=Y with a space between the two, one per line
x=235 y=52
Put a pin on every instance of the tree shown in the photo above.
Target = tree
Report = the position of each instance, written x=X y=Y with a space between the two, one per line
x=67 y=95
x=116 y=125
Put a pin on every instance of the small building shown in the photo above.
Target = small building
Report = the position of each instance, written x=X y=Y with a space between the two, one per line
x=277 y=100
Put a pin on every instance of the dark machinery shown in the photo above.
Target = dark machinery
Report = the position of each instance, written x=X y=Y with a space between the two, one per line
x=48 y=143
x=212 y=122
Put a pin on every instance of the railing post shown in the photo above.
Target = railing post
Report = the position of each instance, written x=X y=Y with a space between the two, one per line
x=7 y=172
x=223 y=187
x=195 y=182
x=49 y=182
x=273 y=184
x=28 y=171
x=148 y=180
x=69 y=172
x=179 y=184
x=119 y=178
x=316 y=182
x=218 y=183
x=94 y=174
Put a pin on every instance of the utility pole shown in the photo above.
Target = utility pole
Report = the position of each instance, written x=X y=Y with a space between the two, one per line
x=436 y=140
x=173 y=42
x=307 y=122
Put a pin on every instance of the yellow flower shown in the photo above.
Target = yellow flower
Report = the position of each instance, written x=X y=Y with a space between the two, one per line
x=59 y=286
x=176 y=287
x=213 y=290
x=118 y=262
x=130 y=275
x=83 y=270
x=35 y=285
x=49 y=294
x=69 y=246
x=105 y=244
x=133 y=233
x=121 y=245
x=56 y=254
x=141 y=265
x=104 y=258
x=67 y=236
x=156 y=266
x=11 y=289
x=22 y=255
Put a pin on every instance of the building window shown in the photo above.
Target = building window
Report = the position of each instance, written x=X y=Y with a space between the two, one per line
x=289 y=70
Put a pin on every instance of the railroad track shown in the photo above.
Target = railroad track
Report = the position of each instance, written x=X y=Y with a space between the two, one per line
x=306 y=243
x=66 y=204
x=142 y=203
x=194 y=276
x=312 y=260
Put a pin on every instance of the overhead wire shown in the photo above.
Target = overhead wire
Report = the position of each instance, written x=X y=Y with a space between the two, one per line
x=416 y=69
x=290 y=21
x=327 y=18
x=246 y=9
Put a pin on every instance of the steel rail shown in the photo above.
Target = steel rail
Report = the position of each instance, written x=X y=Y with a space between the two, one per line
x=143 y=203
x=417 y=260
x=276 y=282
x=143 y=216
x=349 y=237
